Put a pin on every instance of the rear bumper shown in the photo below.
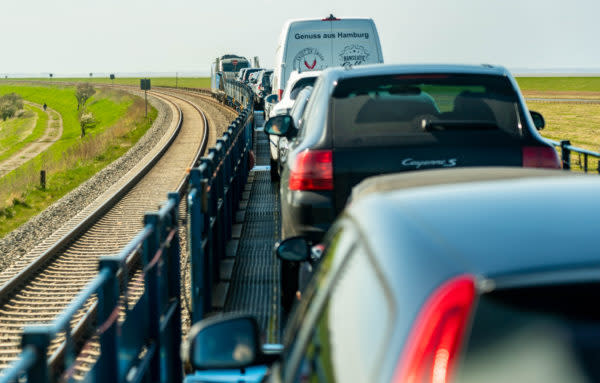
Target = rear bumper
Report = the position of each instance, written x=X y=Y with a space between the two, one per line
x=306 y=213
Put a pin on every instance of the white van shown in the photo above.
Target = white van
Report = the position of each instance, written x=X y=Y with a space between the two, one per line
x=316 y=44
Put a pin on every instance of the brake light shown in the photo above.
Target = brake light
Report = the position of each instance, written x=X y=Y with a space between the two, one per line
x=280 y=94
x=434 y=341
x=312 y=170
x=330 y=18
x=540 y=157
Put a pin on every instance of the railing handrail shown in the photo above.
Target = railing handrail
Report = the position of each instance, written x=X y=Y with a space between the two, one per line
x=572 y=148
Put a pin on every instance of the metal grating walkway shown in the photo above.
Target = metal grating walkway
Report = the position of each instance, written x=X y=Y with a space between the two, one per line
x=254 y=283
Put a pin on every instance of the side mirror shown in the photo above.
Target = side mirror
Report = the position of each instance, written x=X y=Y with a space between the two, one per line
x=272 y=98
x=538 y=120
x=230 y=342
x=279 y=125
x=295 y=249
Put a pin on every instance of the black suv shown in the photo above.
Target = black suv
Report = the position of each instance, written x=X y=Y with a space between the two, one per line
x=380 y=119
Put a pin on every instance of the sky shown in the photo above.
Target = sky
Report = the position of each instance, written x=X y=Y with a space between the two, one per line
x=70 y=37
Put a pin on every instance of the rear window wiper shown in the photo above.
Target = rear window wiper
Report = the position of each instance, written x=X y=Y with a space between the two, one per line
x=431 y=125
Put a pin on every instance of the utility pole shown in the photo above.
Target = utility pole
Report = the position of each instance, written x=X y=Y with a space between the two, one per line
x=176 y=75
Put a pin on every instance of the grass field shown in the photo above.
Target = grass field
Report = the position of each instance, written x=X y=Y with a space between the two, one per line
x=578 y=123
x=71 y=160
x=187 y=82
x=15 y=133
x=559 y=84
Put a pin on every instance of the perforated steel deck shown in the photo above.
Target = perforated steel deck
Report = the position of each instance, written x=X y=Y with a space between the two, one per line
x=254 y=285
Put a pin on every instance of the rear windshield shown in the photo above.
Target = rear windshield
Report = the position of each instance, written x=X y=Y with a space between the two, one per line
x=424 y=108
x=541 y=334
x=230 y=67
x=301 y=84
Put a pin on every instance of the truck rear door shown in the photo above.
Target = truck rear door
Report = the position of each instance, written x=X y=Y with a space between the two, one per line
x=355 y=42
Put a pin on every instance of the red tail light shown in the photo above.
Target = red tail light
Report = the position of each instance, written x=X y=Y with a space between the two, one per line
x=540 y=157
x=312 y=170
x=434 y=342
x=280 y=94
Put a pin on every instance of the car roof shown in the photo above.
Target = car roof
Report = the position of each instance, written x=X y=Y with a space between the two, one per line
x=295 y=76
x=507 y=224
x=337 y=73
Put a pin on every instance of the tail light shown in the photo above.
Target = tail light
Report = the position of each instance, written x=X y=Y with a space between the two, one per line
x=280 y=94
x=434 y=342
x=540 y=157
x=312 y=170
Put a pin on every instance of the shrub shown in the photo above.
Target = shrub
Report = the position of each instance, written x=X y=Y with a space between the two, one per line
x=83 y=93
x=86 y=121
x=9 y=105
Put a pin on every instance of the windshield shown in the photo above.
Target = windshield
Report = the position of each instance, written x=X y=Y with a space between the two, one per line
x=401 y=106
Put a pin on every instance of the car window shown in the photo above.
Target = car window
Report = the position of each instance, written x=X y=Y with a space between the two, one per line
x=266 y=80
x=350 y=334
x=418 y=108
x=542 y=333
x=314 y=113
x=298 y=107
x=301 y=84
x=338 y=242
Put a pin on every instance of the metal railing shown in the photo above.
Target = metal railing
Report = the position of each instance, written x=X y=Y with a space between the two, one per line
x=153 y=324
x=142 y=342
x=216 y=188
x=566 y=151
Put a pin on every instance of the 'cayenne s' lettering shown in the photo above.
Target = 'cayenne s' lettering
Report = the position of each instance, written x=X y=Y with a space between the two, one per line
x=426 y=163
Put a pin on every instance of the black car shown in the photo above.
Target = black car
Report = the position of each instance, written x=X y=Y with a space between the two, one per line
x=382 y=119
x=461 y=275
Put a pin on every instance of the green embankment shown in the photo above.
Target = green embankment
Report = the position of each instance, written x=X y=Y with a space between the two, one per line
x=72 y=159
x=187 y=82
x=15 y=133
x=559 y=84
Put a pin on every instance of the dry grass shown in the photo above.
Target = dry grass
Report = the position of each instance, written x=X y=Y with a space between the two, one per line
x=578 y=123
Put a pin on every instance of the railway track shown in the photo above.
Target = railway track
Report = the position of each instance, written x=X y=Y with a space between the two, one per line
x=44 y=281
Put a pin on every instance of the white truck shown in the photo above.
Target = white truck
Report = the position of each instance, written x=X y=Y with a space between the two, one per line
x=316 y=44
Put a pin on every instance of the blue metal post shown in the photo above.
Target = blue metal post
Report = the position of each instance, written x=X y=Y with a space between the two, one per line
x=565 y=154
x=195 y=239
x=150 y=247
x=39 y=337
x=108 y=298
x=174 y=370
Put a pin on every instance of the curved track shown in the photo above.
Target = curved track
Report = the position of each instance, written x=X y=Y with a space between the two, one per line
x=45 y=281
